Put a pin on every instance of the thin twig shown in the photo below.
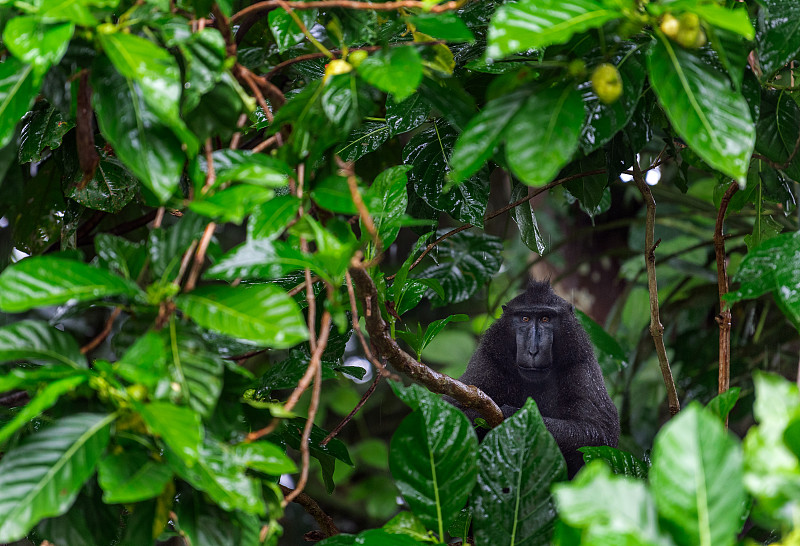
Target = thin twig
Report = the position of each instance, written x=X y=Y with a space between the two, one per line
x=237 y=136
x=187 y=256
x=93 y=344
x=199 y=257
x=468 y=396
x=348 y=171
x=724 y=317
x=656 y=328
x=324 y=521
x=348 y=4
x=211 y=175
x=338 y=428
x=500 y=211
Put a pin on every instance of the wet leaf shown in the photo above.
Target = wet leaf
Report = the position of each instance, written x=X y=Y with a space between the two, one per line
x=19 y=86
x=269 y=220
x=284 y=28
x=34 y=41
x=233 y=203
x=396 y=70
x=364 y=139
x=443 y=26
x=110 y=189
x=402 y=117
x=778 y=36
x=42 y=130
x=526 y=221
x=620 y=462
x=37 y=341
x=131 y=476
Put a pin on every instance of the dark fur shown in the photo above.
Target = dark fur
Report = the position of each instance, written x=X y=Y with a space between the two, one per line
x=571 y=394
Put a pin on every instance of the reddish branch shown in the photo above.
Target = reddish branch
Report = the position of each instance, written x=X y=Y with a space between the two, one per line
x=724 y=317
x=468 y=395
x=338 y=428
x=268 y=5
x=656 y=328
x=324 y=521
x=93 y=344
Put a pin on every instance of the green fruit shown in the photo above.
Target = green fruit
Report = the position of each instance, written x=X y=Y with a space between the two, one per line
x=357 y=57
x=607 y=83
x=576 y=67
x=670 y=25
x=690 y=33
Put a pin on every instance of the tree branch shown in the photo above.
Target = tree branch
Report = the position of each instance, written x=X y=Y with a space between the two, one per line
x=324 y=521
x=724 y=317
x=468 y=395
x=268 y=5
x=656 y=328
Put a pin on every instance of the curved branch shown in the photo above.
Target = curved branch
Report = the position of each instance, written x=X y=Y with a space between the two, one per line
x=268 y=5
x=324 y=521
x=656 y=328
x=468 y=396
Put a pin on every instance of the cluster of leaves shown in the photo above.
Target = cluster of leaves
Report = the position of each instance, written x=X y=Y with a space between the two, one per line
x=171 y=172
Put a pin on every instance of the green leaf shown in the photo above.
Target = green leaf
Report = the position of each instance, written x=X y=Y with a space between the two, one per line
x=197 y=370
x=204 y=55
x=432 y=457
x=263 y=314
x=388 y=201
x=231 y=204
x=131 y=476
x=242 y=166
x=530 y=24
x=404 y=116
x=696 y=479
x=396 y=70
x=264 y=457
x=141 y=140
x=483 y=134
x=110 y=189
x=518 y=462
x=285 y=29
x=607 y=347
x=219 y=474
x=269 y=220
x=364 y=139
x=436 y=327
x=543 y=135
x=36 y=340
x=44 y=129
x=36 y=42
x=722 y=404
x=778 y=36
x=711 y=117
x=466 y=261
x=260 y=259
x=772 y=471
x=427 y=152
x=156 y=71
x=443 y=26
x=735 y=20
x=145 y=362
x=774 y=266
x=45 y=280
x=620 y=462
x=609 y=509
x=178 y=426
x=777 y=128
x=44 y=399
x=41 y=477
x=19 y=86
x=526 y=221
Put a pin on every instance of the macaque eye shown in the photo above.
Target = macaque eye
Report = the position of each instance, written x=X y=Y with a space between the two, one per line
x=545 y=319
x=525 y=319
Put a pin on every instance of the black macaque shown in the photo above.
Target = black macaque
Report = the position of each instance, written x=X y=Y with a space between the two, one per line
x=538 y=349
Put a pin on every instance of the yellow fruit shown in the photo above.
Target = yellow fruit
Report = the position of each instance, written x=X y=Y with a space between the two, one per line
x=138 y=392
x=670 y=25
x=336 y=67
x=607 y=83
x=690 y=33
x=357 y=57
x=576 y=67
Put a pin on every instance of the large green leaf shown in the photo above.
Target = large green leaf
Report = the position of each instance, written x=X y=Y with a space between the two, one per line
x=178 y=426
x=432 y=457
x=609 y=509
x=36 y=340
x=156 y=71
x=131 y=476
x=710 y=116
x=110 y=189
x=776 y=130
x=529 y=24
x=218 y=473
x=778 y=36
x=364 y=139
x=262 y=313
x=483 y=134
x=396 y=70
x=269 y=220
x=774 y=266
x=518 y=462
x=264 y=457
x=197 y=370
x=242 y=166
x=231 y=204
x=260 y=259
x=772 y=471
x=145 y=362
x=141 y=140
x=427 y=152
x=44 y=129
x=43 y=400
x=543 y=135
x=620 y=462
x=466 y=261
x=36 y=42
x=389 y=199
x=697 y=479
x=526 y=221
x=41 y=477
x=19 y=86
x=285 y=29
x=45 y=280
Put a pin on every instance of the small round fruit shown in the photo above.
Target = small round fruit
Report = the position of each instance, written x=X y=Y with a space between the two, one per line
x=607 y=83
x=690 y=33
x=576 y=67
x=137 y=391
x=670 y=25
x=357 y=57
x=336 y=67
